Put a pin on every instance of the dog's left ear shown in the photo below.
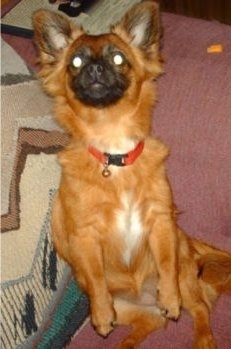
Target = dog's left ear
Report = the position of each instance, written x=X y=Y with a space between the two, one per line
x=140 y=27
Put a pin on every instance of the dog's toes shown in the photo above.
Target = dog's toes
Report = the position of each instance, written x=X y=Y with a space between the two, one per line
x=205 y=342
x=173 y=312
x=170 y=307
x=104 y=321
x=105 y=329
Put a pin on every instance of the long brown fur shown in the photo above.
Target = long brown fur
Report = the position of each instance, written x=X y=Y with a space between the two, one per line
x=119 y=233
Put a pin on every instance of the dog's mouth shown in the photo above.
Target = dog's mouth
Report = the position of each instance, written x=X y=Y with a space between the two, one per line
x=96 y=94
x=96 y=86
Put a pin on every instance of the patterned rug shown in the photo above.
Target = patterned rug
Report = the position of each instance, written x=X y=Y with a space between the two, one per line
x=35 y=285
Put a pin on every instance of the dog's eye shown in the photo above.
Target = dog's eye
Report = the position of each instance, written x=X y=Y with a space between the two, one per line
x=77 y=62
x=118 y=59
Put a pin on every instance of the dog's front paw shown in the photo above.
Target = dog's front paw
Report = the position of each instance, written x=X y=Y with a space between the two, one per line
x=103 y=320
x=169 y=303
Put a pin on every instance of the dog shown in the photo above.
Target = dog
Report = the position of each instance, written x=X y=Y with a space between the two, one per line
x=114 y=220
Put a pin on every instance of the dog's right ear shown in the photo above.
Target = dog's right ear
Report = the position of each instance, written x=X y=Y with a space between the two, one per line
x=53 y=32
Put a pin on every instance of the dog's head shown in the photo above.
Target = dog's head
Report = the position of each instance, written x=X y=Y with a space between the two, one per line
x=99 y=71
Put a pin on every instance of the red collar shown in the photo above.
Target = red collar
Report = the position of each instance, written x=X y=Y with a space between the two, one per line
x=117 y=159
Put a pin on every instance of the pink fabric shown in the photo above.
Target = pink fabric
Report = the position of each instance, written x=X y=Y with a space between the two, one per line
x=193 y=117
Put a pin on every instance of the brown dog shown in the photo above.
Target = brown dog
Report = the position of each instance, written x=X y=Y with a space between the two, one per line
x=113 y=218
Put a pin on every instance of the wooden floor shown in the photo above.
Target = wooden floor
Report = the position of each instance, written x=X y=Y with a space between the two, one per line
x=219 y=10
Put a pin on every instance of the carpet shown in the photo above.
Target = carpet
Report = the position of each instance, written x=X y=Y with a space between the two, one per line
x=34 y=281
x=41 y=306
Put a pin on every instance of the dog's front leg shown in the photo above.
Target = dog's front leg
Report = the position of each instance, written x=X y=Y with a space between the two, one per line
x=86 y=260
x=163 y=244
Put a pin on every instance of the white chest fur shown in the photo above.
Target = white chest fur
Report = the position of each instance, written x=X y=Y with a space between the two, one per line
x=129 y=225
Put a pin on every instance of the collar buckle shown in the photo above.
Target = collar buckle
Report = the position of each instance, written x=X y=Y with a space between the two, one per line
x=116 y=159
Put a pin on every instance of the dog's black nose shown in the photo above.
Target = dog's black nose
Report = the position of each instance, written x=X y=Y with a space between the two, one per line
x=95 y=70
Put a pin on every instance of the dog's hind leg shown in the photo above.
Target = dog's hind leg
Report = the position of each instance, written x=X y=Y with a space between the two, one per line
x=143 y=320
x=198 y=305
x=204 y=338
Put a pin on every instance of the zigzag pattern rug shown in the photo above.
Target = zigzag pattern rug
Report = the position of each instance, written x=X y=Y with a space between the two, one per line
x=40 y=306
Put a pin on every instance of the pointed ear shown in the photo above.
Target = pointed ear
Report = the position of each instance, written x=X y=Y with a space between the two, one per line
x=52 y=32
x=140 y=27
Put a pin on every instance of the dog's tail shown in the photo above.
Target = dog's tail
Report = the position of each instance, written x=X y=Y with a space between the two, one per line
x=214 y=266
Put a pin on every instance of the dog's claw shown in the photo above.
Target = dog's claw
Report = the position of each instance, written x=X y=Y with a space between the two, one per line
x=171 y=313
x=170 y=306
x=105 y=321
x=104 y=330
x=164 y=312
